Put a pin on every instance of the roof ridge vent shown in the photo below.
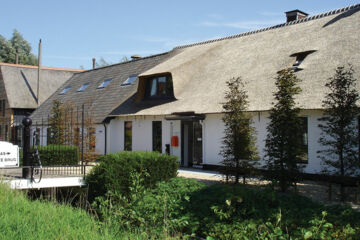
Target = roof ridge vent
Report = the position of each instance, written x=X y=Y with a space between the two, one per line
x=295 y=15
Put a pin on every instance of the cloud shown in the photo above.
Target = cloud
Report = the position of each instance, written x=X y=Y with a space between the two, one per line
x=248 y=25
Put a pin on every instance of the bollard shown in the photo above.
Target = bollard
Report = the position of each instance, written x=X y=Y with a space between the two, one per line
x=26 y=171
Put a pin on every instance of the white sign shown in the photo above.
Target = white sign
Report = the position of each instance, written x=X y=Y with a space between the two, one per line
x=9 y=155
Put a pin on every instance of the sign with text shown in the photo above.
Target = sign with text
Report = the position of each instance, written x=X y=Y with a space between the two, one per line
x=9 y=155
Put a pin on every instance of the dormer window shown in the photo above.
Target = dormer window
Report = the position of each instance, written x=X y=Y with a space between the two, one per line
x=130 y=80
x=159 y=87
x=299 y=58
x=65 y=90
x=105 y=83
x=83 y=87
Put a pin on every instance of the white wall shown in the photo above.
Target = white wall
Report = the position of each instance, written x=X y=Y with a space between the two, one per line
x=100 y=139
x=213 y=132
x=142 y=133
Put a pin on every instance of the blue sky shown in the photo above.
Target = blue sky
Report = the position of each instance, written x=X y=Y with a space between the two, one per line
x=75 y=31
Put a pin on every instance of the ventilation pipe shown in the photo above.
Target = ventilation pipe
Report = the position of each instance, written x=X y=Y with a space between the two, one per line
x=135 y=57
x=94 y=62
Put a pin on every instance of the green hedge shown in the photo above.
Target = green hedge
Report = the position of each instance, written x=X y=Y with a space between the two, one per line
x=59 y=155
x=113 y=172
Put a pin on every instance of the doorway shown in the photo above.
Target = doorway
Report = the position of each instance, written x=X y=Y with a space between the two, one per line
x=191 y=144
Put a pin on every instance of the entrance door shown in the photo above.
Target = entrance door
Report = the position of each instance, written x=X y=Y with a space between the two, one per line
x=191 y=143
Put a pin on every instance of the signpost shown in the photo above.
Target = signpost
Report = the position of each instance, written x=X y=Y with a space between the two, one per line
x=9 y=155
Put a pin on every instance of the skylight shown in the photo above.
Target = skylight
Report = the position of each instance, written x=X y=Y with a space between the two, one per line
x=105 y=83
x=65 y=90
x=83 y=87
x=130 y=80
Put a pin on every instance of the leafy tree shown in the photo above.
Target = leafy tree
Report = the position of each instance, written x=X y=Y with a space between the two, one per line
x=239 y=150
x=16 y=45
x=339 y=129
x=56 y=124
x=284 y=139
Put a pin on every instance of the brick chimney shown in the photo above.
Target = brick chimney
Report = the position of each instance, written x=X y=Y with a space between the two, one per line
x=295 y=15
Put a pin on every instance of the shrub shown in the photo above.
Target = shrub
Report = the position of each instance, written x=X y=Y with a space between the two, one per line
x=113 y=172
x=59 y=155
x=157 y=212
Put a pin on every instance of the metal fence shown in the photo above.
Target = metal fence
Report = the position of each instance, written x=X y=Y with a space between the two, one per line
x=62 y=144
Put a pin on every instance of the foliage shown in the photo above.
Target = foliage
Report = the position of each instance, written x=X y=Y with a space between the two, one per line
x=239 y=150
x=339 y=129
x=16 y=45
x=156 y=212
x=58 y=155
x=223 y=212
x=284 y=141
x=66 y=127
x=56 y=124
x=25 y=219
x=113 y=172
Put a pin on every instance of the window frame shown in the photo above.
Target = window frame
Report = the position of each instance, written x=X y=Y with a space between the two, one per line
x=65 y=90
x=157 y=138
x=83 y=87
x=105 y=83
x=169 y=90
x=128 y=139
x=305 y=147
x=128 y=82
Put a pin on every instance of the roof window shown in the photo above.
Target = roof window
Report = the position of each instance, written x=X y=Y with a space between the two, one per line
x=105 y=83
x=159 y=87
x=130 y=80
x=299 y=58
x=65 y=90
x=83 y=87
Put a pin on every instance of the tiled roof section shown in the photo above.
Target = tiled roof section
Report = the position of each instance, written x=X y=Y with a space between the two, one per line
x=336 y=11
x=48 y=68
x=99 y=102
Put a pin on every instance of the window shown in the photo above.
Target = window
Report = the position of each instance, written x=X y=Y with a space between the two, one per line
x=83 y=87
x=105 y=83
x=2 y=107
x=159 y=87
x=65 y=90
x=303 y=158
x=92 y=138
x=6 y=132
x=299 y=58
x=156 y=137
x=130 y=80
x=127 y=135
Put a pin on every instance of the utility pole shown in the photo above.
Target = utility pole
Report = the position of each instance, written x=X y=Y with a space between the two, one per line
x=38 y=80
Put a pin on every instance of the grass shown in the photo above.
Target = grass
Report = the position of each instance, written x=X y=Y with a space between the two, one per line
x=21 y=218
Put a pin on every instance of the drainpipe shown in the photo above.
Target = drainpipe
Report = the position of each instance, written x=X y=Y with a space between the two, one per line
x=105 y=142
x=106 y=122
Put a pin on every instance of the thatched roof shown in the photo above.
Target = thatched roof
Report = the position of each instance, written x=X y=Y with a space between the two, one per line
x=200 y=71
x=99 y=102
x=20 y=83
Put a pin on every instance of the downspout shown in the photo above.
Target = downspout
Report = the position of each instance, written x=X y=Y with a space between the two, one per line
x=106 y=122
x=105 y=142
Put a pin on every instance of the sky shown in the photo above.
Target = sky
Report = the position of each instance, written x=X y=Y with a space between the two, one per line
x=75 y=31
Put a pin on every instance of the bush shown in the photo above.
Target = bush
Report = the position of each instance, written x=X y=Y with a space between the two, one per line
x=58 y=155
x=113 y=172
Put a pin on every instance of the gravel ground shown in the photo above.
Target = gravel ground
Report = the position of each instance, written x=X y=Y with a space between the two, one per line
x=315 y=190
